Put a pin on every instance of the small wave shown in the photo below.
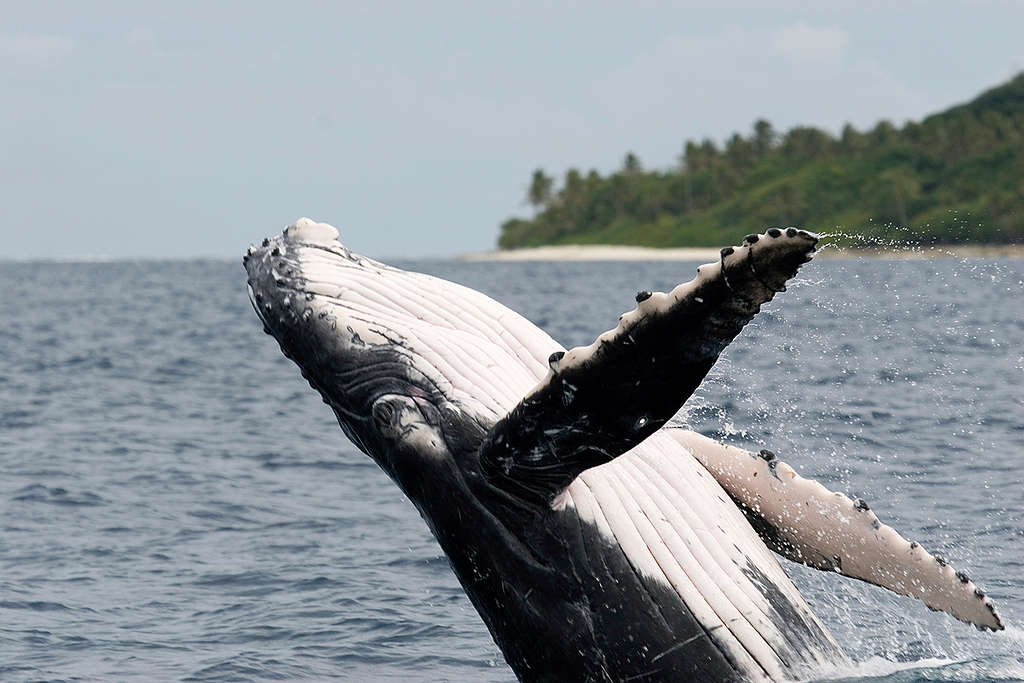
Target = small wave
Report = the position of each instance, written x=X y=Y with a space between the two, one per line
x=933 y=669
x=87 y=361
x=418 y=561
x=877 y=668
x=57 y=495
x=177 y=368
x=17 y=419
x=318 y=583
x=314 y=465
x=240 y=579
x=34 y=605
x=247 y=667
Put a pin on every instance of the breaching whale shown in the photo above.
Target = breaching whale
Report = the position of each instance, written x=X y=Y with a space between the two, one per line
x=598 y=540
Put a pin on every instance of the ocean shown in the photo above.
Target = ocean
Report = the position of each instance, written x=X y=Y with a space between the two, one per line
x=177 y=504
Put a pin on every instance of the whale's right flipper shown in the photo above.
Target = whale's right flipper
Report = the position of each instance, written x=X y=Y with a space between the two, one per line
x=599 y=401
x=802 y=520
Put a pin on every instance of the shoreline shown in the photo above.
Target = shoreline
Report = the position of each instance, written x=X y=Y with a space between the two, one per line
x=587 y=252
x=612 y=252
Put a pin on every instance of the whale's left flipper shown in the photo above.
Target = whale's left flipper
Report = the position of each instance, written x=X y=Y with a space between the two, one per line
x=599 y=401
x=802 y=520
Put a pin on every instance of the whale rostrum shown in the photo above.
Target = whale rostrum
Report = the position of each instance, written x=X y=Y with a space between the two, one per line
x=597 y=539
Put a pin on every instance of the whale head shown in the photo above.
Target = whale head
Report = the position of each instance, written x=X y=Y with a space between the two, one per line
x=385 y=348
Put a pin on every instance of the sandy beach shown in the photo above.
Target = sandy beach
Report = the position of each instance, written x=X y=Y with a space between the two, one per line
x=594 y=252
x=611 y=252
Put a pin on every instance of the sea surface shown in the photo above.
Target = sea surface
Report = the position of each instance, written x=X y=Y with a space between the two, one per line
x=177 y=504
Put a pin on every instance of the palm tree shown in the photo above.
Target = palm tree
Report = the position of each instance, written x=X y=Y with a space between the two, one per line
x=539 y=193
x=764 y=137
x=631 y=164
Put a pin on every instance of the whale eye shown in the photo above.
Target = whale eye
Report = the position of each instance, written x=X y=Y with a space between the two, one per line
x=383 y=414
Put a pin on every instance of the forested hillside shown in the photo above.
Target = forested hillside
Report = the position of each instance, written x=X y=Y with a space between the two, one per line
x=954 y=177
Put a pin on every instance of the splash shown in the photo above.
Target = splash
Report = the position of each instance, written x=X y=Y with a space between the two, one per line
x=902 y=242
x=895 y=380
x=880 y=670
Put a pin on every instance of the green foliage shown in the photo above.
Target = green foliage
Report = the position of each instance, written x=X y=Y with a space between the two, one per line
x=541 y=185
x=957 y=176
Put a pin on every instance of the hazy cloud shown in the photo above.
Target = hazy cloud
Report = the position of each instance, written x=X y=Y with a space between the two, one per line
x=140 y=36
x=712 y=85
x=34 y=51
x=810 y=44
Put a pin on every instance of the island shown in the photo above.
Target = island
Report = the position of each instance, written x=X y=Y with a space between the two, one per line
x=954 y=178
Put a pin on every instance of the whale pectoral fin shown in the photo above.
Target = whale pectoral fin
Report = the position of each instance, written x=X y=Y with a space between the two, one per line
x=805 y=522
x=597 y=402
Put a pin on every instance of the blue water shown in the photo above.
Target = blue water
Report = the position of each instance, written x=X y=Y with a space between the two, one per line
x=176 y=503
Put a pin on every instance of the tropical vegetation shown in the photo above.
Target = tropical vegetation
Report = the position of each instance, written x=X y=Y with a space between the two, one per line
x=954 y=177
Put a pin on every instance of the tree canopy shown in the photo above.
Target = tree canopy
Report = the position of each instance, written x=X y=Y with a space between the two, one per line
x=956 y=176
x=541 y=185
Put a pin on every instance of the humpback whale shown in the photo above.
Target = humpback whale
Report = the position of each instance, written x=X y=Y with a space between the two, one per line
x=598 y=539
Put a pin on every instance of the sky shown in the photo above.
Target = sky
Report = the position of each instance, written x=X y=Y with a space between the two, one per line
x=190 y=129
